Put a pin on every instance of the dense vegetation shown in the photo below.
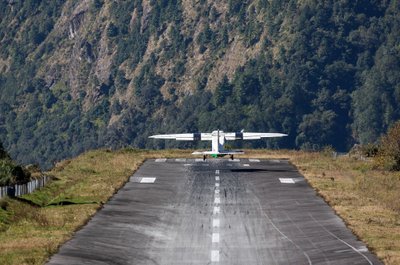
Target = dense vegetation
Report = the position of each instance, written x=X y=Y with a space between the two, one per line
x=75 y=75
x=10 y=173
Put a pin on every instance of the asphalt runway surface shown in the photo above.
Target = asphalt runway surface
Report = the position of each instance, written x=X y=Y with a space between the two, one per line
x=187 y=211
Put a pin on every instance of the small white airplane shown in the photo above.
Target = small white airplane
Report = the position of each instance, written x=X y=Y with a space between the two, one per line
x=218 y=139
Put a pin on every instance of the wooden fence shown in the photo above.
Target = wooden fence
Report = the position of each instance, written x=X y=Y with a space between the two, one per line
x=18 y=190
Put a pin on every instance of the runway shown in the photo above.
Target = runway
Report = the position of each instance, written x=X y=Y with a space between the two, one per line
x=187 y=211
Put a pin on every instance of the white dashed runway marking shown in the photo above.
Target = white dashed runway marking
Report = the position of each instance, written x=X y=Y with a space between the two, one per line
x=254 y=160
x=216 y=210
x=215 y=222
x=246 y=165
x=215 y=237
x=217 y=171
x=216 y=184
x=217 y=200
x=147 y=180
x=215 y=255
x=161 y=160
x=216 y=178
x=290 y=180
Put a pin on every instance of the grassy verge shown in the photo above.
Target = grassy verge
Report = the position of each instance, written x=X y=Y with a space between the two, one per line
x=30 y=232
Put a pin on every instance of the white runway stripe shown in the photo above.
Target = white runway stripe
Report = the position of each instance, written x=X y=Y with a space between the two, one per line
x=254 y=160
x=147 y=180
x=214 y=255
x=215 y=237
x=217 y=200
x=216 y=210
x=217 y=171
x=161 y=159
x=217 y=178
x=216 y=223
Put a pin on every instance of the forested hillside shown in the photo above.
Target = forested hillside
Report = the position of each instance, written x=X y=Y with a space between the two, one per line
x=76 y=75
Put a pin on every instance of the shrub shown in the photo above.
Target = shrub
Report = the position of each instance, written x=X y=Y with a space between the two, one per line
x=389 y=149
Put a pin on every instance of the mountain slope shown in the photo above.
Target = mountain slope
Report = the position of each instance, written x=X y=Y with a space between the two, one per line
x=76 y=75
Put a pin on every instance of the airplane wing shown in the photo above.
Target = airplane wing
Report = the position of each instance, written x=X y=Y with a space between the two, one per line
x=251 y=135
x=184 y=136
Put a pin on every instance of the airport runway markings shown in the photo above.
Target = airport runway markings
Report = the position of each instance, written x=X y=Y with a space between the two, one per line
x=254 y=160
x=161 y=160
x=246 y=165
x=215 y=238
x=290 y=180
x=214 y=255
x=147 y=180
x=216 y=221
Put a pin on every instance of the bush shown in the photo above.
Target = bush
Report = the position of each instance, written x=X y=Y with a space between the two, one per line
x=389 y=149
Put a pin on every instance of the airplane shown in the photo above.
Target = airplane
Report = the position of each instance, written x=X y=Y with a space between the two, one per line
x=218 y=139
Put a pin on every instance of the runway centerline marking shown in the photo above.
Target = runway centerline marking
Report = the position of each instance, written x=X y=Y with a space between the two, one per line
x=216 y=191
x=216 y=184
x=215 y=238
x=217 y=200
x=216 y=210
x=217 y=171
x=246 y=165
x=216 y=222
x=254 y=160
x=214 y=255
x=217 y=178
x=161 y=160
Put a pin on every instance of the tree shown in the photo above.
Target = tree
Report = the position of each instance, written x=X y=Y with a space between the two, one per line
x=3 y=153
x=389 y=149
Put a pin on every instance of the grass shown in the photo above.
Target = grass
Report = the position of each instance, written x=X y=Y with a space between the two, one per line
x=365 y=198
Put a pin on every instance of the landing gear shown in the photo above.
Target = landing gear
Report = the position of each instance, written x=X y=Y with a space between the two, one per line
x=204 y=157
x=231 y=157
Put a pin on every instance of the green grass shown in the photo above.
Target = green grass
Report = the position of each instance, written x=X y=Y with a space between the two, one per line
x=33 y=228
